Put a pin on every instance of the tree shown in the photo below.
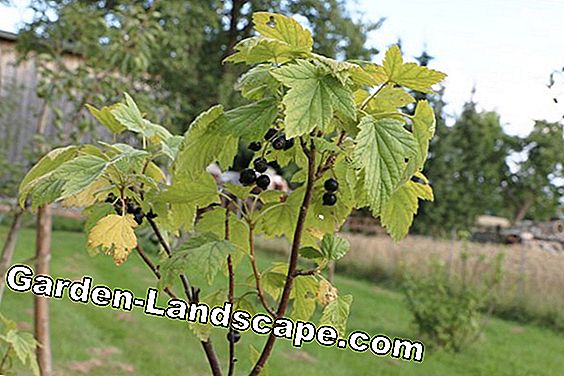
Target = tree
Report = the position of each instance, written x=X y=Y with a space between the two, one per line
x=535 y=189
x=338 y=122
x=175 y=63
x=468 y=169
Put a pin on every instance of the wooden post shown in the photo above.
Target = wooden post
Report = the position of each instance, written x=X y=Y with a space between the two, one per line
x=9 y=248
x=41 y=311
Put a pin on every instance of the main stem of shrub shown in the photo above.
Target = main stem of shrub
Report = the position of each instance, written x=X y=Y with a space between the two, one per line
x=293 y=263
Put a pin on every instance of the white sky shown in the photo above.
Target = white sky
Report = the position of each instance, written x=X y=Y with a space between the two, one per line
x=505 y=48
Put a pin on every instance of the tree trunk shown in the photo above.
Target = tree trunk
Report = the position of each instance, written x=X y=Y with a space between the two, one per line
x=523 y=210
x=9 y=248
x=41 y=311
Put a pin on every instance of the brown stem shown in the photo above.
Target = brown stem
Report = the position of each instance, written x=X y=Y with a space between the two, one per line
x=330 y=161
x=230 y=299
x=293 y=263
x=4 y=358
x=256 y=273
x=10 y=247
x=41 y=311
x=230 y=296
x=191 y=295
x=306 y=272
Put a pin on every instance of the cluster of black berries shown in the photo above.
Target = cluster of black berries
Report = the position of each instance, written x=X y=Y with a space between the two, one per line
x=130 y=208
x=329 y=198
x=278 y=141
x=249 y=175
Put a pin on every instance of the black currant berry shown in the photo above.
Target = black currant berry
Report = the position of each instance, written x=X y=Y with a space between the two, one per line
x=260 y=165
x=118 y=206
x=329 y=199
x=331 y=185
x=279 y=143
x=110 y=198
x=270 y=134
x=263 y=181
x=138 y=218
x=255 y=146
x=248 y=176
x=233 y=336
x=289 y=144
x=133 y=209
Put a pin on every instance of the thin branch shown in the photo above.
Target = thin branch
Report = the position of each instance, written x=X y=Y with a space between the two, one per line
x=256 y=273
x=293 y=262
x=306 y=272
x=372 y=96
x=5 y=357
x=192 y=296
x=230 y=296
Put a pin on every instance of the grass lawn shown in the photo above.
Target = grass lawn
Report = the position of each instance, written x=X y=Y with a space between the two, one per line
x=101 y=341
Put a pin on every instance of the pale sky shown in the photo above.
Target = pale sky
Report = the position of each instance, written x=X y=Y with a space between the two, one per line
x=505 y=48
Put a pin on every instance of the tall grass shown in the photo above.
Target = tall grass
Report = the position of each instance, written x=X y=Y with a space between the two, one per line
x=532 y=288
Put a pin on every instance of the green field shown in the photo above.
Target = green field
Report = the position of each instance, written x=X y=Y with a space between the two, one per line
x=101 y=341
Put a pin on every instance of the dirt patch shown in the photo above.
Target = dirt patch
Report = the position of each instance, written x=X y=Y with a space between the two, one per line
x=24 y=325
x=124 y=316
x=86 y=366
x=301 y=356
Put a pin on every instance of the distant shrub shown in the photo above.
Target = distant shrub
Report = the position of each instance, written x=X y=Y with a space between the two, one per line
x=446 y=308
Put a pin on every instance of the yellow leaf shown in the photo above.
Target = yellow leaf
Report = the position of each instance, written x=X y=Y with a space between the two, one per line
x=88 y=196
x=283 y=28
x=327 y=293
x=114 y=235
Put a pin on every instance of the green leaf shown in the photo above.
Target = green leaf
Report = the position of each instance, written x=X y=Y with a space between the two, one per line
x=312 y=98
x=24 y=345
x=393 y=62
x=336 y=314
x=380 y=152
x=304 y=295
x=273 y=279
x=205 y=143
x=341 y=98
x=333 y=247
x=253 y=120
x=96 y=212
x=283 y=28
x=410 y=75
x=260 y=50
x=44 y=168
x=416 y=77
x=311 y=253
x=171 y=146
x=397 y=214
x=257 y=83
x=203 y=255
x=128 y=115
x=79 y=173
x=279 y=219
x=185 y=195
x=308 y=103
x=214 y=221
x=241 y=192
x=391 y=97
x=106 y=118
x=423 y=131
